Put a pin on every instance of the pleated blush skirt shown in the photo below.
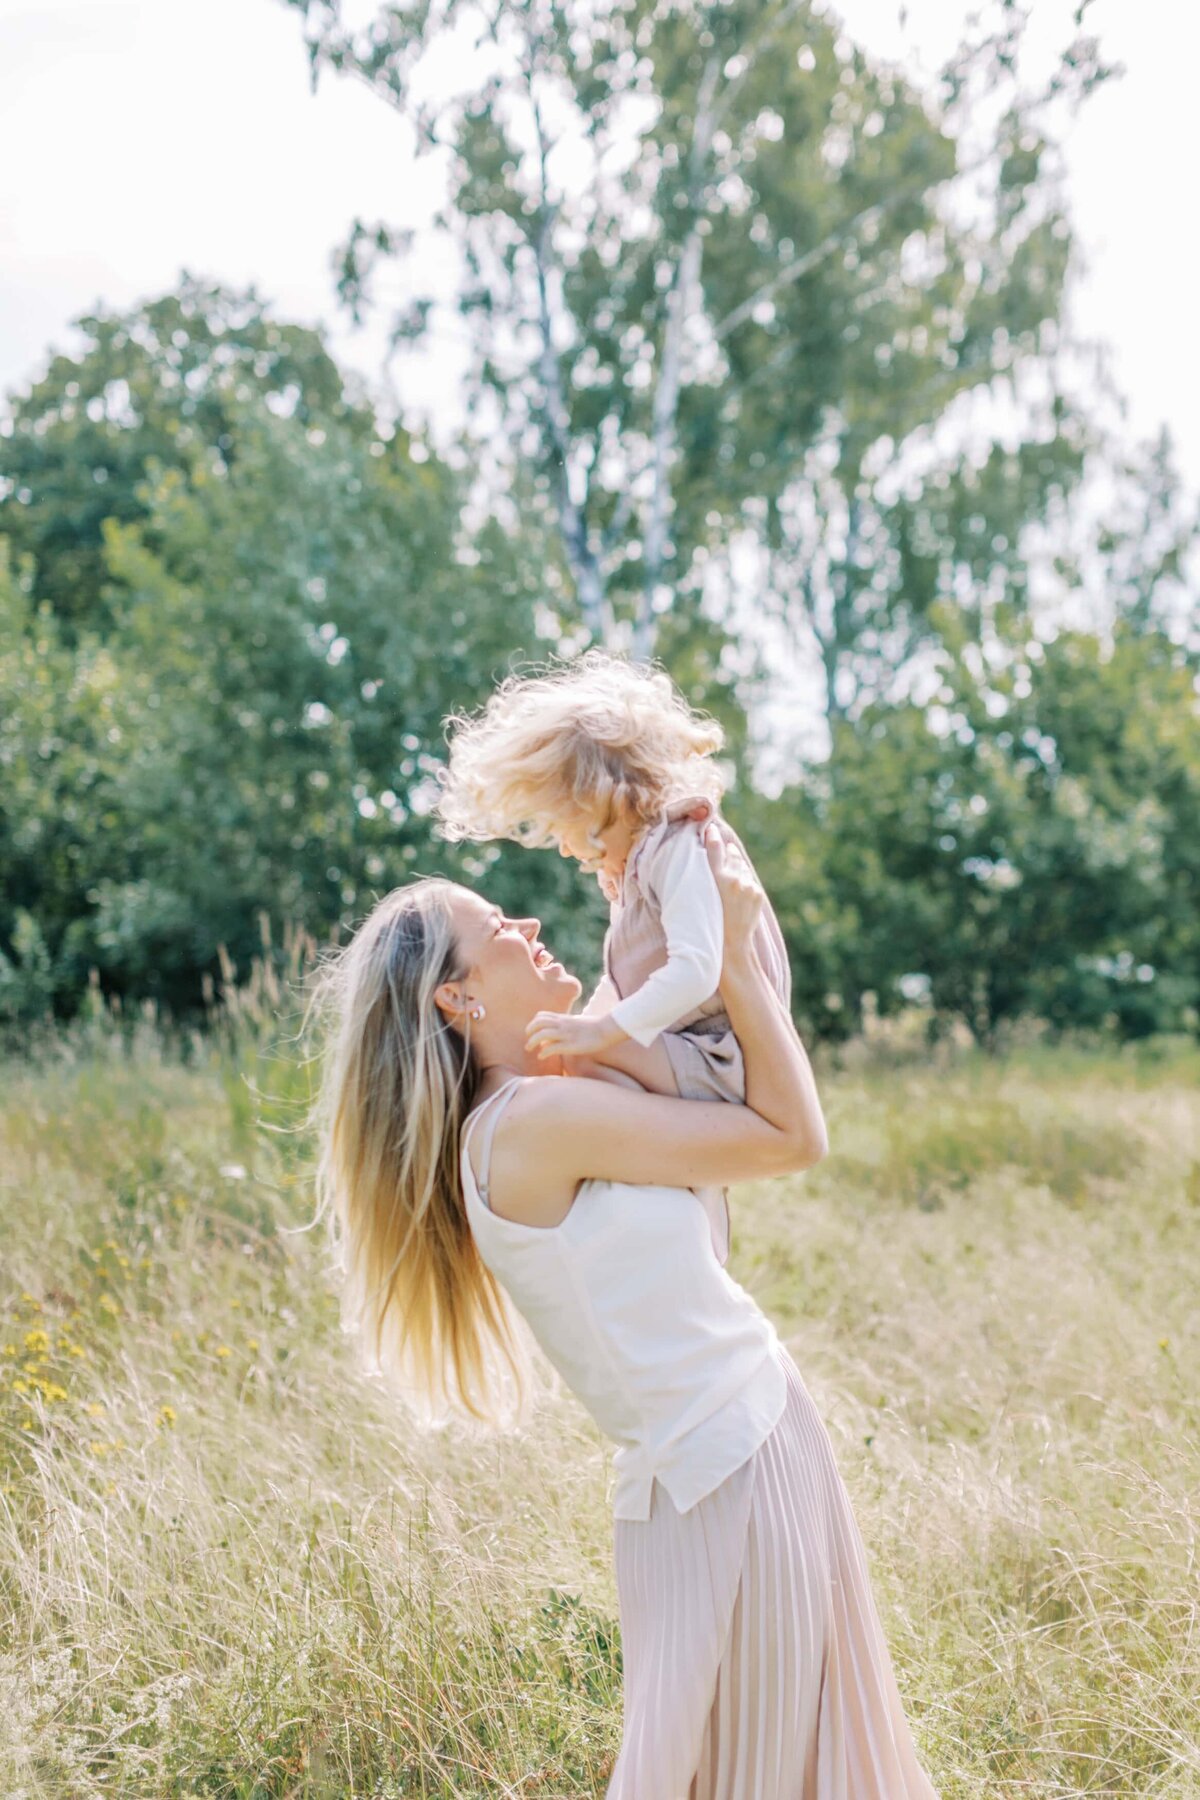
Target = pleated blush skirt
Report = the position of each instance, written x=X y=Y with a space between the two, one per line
x=755 y=1665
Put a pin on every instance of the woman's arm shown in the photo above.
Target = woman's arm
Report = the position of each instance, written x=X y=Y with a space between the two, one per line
x=780 y=1085
x=570 y=1130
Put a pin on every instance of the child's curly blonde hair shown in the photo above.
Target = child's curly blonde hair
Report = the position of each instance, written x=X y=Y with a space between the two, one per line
x=594 y=739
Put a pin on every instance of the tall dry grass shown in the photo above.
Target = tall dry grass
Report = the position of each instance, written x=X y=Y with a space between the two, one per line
x=229 y=1566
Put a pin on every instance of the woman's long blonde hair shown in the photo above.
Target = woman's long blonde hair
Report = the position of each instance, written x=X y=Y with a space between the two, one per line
x=594 y=738
x=397 y=1083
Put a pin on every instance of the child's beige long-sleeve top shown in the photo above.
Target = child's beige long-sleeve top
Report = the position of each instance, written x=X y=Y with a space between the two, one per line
x=672 y=870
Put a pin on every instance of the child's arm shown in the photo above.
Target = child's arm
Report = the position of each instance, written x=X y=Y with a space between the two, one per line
x=679 y=876
x=601 y=1001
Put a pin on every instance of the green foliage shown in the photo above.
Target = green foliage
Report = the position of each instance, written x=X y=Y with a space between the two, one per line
x=60 y=713
x=161 y=387
x=1025 y=848
x=243 y=734
x=26 y=978
x=249 y=722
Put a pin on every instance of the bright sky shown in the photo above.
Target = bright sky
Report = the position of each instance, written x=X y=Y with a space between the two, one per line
x=138 y=138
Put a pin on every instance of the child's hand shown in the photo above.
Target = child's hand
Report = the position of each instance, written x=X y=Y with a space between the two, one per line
x=560 y=1034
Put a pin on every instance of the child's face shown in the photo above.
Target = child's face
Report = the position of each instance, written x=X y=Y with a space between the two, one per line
x=599 y=850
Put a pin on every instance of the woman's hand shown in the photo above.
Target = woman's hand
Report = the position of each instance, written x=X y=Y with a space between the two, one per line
x=742 y=896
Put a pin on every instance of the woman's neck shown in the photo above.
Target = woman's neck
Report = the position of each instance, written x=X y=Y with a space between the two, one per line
x=500 y=1062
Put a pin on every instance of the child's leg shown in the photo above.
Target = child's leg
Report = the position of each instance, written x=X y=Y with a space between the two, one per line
x=649 y=1066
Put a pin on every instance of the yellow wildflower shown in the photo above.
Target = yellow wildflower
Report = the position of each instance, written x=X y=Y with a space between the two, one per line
x=224 y=1350
x=97 y=1409
x=166 y=1415
x=108 y=1304
x=252 y=1344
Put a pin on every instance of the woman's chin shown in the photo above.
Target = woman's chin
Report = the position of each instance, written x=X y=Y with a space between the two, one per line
x=559 y=990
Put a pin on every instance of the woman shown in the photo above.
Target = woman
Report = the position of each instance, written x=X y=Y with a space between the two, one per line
x=467 y=1176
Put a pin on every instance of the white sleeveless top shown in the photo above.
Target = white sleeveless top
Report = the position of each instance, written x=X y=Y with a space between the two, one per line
x=672 y=1358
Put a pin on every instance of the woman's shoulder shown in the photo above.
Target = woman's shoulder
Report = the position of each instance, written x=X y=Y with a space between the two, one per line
x=531 y=1182
x=490 y=1122
x=542 y=1108
x=530 y=1104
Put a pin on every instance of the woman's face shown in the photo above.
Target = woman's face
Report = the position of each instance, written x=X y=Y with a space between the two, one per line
x=509 y=971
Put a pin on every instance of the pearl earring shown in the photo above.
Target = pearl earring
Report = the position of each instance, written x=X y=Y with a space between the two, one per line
x=477 y=1012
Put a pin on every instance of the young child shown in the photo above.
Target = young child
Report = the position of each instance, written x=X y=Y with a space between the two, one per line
x=605 y=759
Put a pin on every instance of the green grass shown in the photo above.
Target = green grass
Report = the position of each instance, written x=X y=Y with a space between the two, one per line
x=230 y=1567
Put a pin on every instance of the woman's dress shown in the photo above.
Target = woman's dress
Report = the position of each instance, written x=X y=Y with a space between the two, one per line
x=755 y=1665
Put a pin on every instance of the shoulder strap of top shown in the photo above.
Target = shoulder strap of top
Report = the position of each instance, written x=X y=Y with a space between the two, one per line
x=489 y=1131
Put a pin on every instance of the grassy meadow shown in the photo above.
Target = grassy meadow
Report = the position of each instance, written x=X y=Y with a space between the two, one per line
x=230 y=1567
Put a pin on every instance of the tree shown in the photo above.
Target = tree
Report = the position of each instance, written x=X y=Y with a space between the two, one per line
x=1025 y=847
x=237 y=707
x=699 y=243
x=61 y=753
x=161 y=385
